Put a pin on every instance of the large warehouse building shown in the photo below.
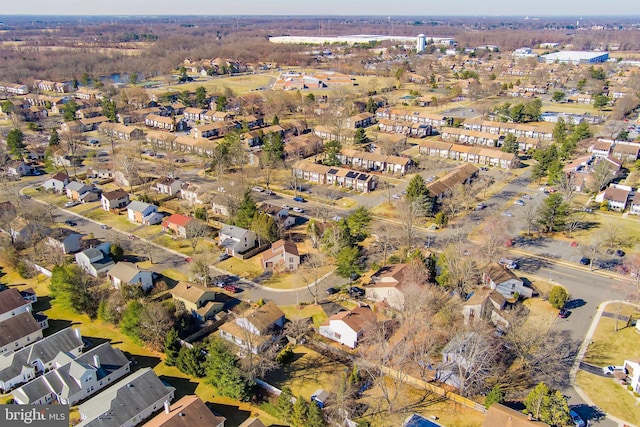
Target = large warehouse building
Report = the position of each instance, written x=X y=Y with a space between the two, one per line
x=576 y=57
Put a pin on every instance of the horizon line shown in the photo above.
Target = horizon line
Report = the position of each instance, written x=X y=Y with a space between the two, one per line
x=583 y=15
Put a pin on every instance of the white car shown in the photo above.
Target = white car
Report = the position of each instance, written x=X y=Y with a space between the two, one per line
x=71 y=204
x=519 y=202
x=287 y=207
x=609 y=370
x=299 y=210
x=509 y=263
x=258 y=189
x=577 y=421
x=507 y=213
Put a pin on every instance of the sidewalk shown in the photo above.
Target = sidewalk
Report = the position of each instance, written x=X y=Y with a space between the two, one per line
x=581 y=352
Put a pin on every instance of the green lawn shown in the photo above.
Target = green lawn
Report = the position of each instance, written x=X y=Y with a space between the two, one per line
x=315 y=312
x=610 y=347
x=612 y=398
x=248 y=268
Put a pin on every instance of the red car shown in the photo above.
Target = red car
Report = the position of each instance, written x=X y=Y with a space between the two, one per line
x=232 y=289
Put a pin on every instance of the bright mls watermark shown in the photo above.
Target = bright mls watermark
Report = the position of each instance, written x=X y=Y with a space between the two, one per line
x=34 y=415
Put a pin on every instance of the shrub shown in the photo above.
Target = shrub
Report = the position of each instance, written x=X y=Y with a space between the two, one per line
x=558 y=297
x=636 y=394
x=629 y=388
x=270 y=409
x=285 y=356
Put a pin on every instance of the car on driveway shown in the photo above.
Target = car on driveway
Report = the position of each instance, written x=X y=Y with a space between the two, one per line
x=480 y=206
x=356 y=292
x=332 y=291
x=232 y=289
x=224 y=256
x=509 y=263
x=577 y=421
x=71 y=204
x=609 y=370
x=258 y=189
x=526 y=196
x=298 y=199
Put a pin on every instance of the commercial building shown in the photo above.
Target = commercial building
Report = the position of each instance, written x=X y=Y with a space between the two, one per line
x=576 y=57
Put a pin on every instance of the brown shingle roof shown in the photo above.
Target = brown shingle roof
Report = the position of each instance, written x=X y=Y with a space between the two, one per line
x=263 y=317
x=10 y=299
x=499 y=274
x=189 y=411
x=500 y=415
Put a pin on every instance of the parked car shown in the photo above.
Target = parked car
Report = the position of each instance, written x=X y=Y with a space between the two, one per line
x=509 y=263
x=104 y=226
x=71 y=223
x=577 y=421
x=71 y=204
x=332 y=291
x=519 y=202
x=609 y=370
x=507 y=213
x=526 y=196
x=287 y=207
x=585 y=261
x=232 y=289
x=480 y=206
x=269 y=193
x=298 y=199
x=258 y=189
x=224 y=256
x=563 y=313
x=620 y=252
x=299 y=210
x=356 y=292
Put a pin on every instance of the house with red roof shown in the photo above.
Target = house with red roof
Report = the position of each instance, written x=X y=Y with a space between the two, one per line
x=177 y=224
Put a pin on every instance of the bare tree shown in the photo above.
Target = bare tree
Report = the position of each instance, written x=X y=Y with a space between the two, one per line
x=494 y=236
x=613 y=234
x=573 y=221
x=385 y=235
x=602 y=175
x=155 y=323
x=632 y=264
x=459 y=272
x=195 y=231
x=310 y=272
x=201 y=268
x=530 y=213
x=71 y=143
x=591 y=248
x=408 y=213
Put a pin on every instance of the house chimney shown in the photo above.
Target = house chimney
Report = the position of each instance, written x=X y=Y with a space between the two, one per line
x=167 y=407
x=96 y=361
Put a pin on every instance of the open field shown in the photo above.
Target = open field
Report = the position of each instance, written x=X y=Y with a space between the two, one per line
x=238 y=84
x=609 y=347
x=611 y=397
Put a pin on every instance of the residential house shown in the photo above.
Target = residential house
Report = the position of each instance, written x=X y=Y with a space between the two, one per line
x=177 y=224
x=23 y=231
x=626 y=152
x=96 y=261
x=18 y=332
x=168 y=185
x=237 y=240
x=19 y=168
x=347 y=327
x=75 y=379
x=281 y=216
x=194 y=193
x=219 y=205
x=303 y=146
x=91 y=124
x=254 y=330
x=19 y=367
x=194 y=114
x=616 y=195
x=252 y=422
x=116 y=199
x=340 y=177
x=361 y=120
x=200 y=301
x=143 y=213
x=485 y=304
x=632 y=368
x=601 y=148
x=477 y=155
x=126 y=273
x=375 y=161
x=501 y=415
x=120 y=131
x=64 y=240
x=282 y=256
x=505 y=281
x=170 y=124
x=388 y=285
x=57 y=182
x=81 y=192
x=190 y=411
x=462 y=175
x=12 y=304
x=635 y=204
x=128 y=402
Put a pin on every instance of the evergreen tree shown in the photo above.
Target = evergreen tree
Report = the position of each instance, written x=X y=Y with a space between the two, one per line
x=265 y=228
x=496 y=395
x=192 y=361
x=548 y=405
x=70 y=286
x=581 y=131
x=223 y=372
x=560 y=131
x=284 y=404
x=299 y=412
x=130 y=322
x=553 y=213
x=314 y=416
x=331 y=151
x=358 y=223
x=360 y=137
x=69 y=111
x=276 y=120
x=246 y=211
x=201 y=97
x=171 y=348
x=15 y=142
x=371 y=106
x=221 y=103
x=510 y=144
x=348 y=262
x=109 y=110
x=274 y=147
x=54 y=138
x=418 y=192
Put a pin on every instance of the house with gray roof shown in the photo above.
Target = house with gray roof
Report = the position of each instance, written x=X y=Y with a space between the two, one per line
x=96 y=261
x=18 y=332
x=19 y=367
x=129 y=274
x=65 y=240
x=237 y=240
x=143 y=213
x=81 y=192
x=75 y=379
x=504 y=281
x=127 y=403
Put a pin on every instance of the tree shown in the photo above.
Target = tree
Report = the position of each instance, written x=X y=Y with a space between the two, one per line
x=221 y=103
x=360 y=137
x=558 y=297
x=314 y=416
x=116 y=251
x=358 y=223
x=133 y=78
x=71 y=287
x=274 y=148
x=201 y=97
x=192 y=360
x=441 y=219
x=600 y=101
x=560 y=131
x=246 y=211
x=284 y=405
x=195 y=230
x=558 y=95
x=7 y=106
x=109 y=110
x=130 y=322
x=171 y=347
x=553 y=213
x=69 y=111
x=155 y=324
x=265 y=228
x=457 y=271
x=299 y=412
x=510 y=144
x=602 y=175
x=223 y=372
x=15 y=142
x=54 y=138
x=331 y=151
x=348 y=262
x=408 y=212
x=496 y=395
x=547 y=405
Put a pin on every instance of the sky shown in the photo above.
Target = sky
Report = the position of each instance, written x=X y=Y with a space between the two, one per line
x=418 y=8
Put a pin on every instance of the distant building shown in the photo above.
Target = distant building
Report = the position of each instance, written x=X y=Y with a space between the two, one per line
x=576 y=57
